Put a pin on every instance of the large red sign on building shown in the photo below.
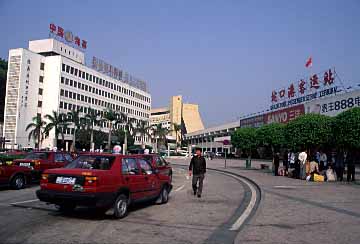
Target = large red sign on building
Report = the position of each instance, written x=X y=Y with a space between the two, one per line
x=285 y=115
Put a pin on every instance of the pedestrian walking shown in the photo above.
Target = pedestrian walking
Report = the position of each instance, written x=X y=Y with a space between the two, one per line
x=286 y=161
x=197 y=169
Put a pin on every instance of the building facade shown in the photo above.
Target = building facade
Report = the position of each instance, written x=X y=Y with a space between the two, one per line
x=211 y=139
x=184 y=114
x=52 y=76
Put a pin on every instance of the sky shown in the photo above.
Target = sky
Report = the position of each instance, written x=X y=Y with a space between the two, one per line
x=225 y=55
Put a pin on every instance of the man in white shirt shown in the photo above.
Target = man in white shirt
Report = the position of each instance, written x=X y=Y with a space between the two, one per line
x=302 y=159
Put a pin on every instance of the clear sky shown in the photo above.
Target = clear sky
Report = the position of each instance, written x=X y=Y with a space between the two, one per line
x=225 y=55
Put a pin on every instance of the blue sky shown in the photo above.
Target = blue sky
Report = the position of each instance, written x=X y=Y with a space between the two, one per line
x=225 y=55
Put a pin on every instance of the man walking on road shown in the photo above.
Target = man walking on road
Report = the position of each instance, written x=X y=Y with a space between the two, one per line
x=198 y=169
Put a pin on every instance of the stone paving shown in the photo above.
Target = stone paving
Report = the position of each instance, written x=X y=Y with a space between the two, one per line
x=296 y=211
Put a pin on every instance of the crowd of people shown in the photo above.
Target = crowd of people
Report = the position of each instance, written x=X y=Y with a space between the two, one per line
x=318 y=166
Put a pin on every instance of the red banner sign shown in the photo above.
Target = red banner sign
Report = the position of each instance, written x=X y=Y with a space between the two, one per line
x=285 y=115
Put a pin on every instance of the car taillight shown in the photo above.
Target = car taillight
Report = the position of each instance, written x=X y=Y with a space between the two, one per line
x=37 y=162
x=91 y=181
x=44 y=178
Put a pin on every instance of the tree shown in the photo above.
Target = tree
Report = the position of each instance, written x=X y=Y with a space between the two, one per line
x=143 y=129
x=271 y=135
x=3 y=74
x=111 y=116
x=308 y=131
x=245 y=139
x=36 y=130
x=346 y=129
x=176 y=129
x=58 y=122
x=74 y=118
x=92 y=119
x=120 y=134
x=160 y=134
x=128 y=125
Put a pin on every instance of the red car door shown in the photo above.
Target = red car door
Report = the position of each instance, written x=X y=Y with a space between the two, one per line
x=150 y=180
x=132 y=177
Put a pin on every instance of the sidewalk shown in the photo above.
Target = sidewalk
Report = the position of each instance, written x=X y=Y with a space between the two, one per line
x=297 y=211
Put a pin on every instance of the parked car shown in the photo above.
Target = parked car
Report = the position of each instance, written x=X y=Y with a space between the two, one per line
x=16 y=177
x=11 y=155
x=105 y=181
x=41 y=160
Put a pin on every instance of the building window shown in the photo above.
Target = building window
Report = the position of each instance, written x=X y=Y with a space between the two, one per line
x=62 y=80
x=63 y=67
x=61 y=105
x=42 y=66
x=66 y=81
x=71 y=82
x=66 y=93
x=67 y=68
x=39 y=104
x=75 y=84
x=72 y=70
x=40 y=91
x=61 y=92
x=41 y=79
x=76 y=72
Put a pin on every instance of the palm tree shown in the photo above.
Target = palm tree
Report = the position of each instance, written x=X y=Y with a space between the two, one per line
x=37 y=128
x=159 y=134
x=92 y=119
x=176 y=129
x=58 y=122
x=128 y=124
x=74 y=117
x=143 y=129
x=111 y=116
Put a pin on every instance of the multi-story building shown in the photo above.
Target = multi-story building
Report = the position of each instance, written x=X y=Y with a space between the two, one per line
x=184 y=114
x=52 y=76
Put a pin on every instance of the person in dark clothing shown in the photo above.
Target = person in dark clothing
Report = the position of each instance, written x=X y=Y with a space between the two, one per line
x=339 y=166
x=297 y=166
x=197 y=169
x=276 y=163
x=286 y=161
x=350 y=162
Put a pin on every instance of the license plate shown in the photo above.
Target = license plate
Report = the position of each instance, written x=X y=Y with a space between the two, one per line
x=65 y=180
x=25 y=165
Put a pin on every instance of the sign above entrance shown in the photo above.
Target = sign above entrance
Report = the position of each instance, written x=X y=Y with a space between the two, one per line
x=65 y=35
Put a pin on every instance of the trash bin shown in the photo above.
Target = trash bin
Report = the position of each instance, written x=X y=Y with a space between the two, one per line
x=248 y=163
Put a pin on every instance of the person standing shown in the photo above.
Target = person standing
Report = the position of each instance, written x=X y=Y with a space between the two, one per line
x=339 y=165
x=302 y=159
x=286 y=161
x=350 y=162
x=276 y=163
x=197 y=169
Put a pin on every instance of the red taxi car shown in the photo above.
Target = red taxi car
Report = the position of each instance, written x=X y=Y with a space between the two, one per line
x=41 y=160
x=105 y=181
x=15 y=176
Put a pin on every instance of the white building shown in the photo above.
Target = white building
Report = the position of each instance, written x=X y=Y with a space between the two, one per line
x=52 y=76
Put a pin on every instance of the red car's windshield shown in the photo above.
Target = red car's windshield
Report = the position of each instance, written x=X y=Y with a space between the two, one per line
x=37 y=155
x=91 y=162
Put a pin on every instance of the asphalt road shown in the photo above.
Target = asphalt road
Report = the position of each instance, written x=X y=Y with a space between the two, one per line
x=184 y=219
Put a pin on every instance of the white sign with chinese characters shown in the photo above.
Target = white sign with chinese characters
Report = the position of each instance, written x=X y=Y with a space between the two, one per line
x=317 y=85
x=334 y=105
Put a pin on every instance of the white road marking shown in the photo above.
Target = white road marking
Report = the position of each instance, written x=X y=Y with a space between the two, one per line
x=285 y=187
x=180 y=188
x=248 y=209
x=34 y=200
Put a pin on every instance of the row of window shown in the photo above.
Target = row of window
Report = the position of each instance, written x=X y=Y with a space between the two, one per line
x=103 y=93
x=89 y=77
x=98 y=102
